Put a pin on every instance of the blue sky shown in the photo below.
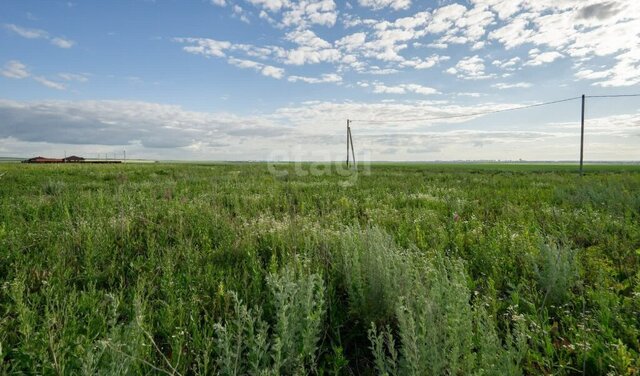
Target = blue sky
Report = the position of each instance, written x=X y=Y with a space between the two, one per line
x=276 y=79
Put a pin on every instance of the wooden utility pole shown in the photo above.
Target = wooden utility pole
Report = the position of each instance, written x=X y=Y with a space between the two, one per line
x=348 y=136
x=350 y=144
x=353 y=152
x=582 y=137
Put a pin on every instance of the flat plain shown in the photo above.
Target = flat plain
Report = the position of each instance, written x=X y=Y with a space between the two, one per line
x=409 y=269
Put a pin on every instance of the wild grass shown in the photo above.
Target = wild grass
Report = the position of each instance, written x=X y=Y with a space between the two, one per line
x=229 y=269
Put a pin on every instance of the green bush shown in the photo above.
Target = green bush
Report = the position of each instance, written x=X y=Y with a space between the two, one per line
x=556 y=272
x=246 y=344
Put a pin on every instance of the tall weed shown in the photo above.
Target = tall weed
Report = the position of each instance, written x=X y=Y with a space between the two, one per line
x=246 y=344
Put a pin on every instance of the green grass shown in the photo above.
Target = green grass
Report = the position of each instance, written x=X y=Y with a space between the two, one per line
x=412 y=269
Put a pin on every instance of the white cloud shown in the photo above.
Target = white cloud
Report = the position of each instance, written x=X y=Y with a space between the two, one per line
x=298 y=14
x=588 y=74
x=509 y=65
x=62 y=43
x=265 y=70
x=205 y=46
x=26 y=32
x=544 y=58
x=584 y=30
x=352 y=42
x=427 y=63
x=311 y=49
x=478 y=46
x=48 y=83
x=171 y=132
x=552 y=29
x=303 y=13
x=502 y=85
x=270 y=5
x=219 y=3
x=271 y=71
x=504 y=9
x=377 y=71
x=386 y=40
x=379 y=4
x=471 y=94
x=470 y=68
x=244 y=64
x=325 y=78
x=379 y=88
x=39 y=34
x=74 y=77
x=438 y=45
x=15 y=69
x=514 y=33
x=444 y=17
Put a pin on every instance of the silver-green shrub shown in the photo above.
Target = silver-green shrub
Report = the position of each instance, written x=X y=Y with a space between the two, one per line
x=437 y=329
x=556 y=271
x=375 y=273
x=246 y=344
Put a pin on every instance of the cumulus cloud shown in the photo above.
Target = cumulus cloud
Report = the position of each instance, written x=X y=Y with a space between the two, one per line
x=470 y=68
x=584 y=30
x=205 y=46
x=297 y=14
x=538 y=58
x=270 y=5
x=271 y=71
x=509 y=64
x=62 y=43
x=265 y=70
x=380 y=4
x=426 y=63
x=379 y=88
x=311 y=49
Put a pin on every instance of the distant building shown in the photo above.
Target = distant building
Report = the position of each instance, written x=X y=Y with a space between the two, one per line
x=73 y=159
x=42 y=160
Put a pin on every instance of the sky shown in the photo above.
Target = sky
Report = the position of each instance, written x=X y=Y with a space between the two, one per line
x=277 y=79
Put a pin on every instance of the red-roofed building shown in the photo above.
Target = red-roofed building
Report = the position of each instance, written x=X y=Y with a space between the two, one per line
x=42 y=160
x=73 y=159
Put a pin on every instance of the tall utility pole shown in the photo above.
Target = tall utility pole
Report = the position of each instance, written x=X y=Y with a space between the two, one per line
x=124 y=154
x=350 y=144
x=582 y=137
x=353 y=152
x=348 y=136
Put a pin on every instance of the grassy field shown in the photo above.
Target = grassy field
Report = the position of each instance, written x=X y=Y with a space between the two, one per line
x=231 y=269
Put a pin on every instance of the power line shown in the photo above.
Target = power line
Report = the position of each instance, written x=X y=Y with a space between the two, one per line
x=613 y=96
x=466 y=115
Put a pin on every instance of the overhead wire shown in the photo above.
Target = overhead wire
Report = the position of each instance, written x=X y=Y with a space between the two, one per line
x=464 y=115
x=479 y=113
x=612 y=96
